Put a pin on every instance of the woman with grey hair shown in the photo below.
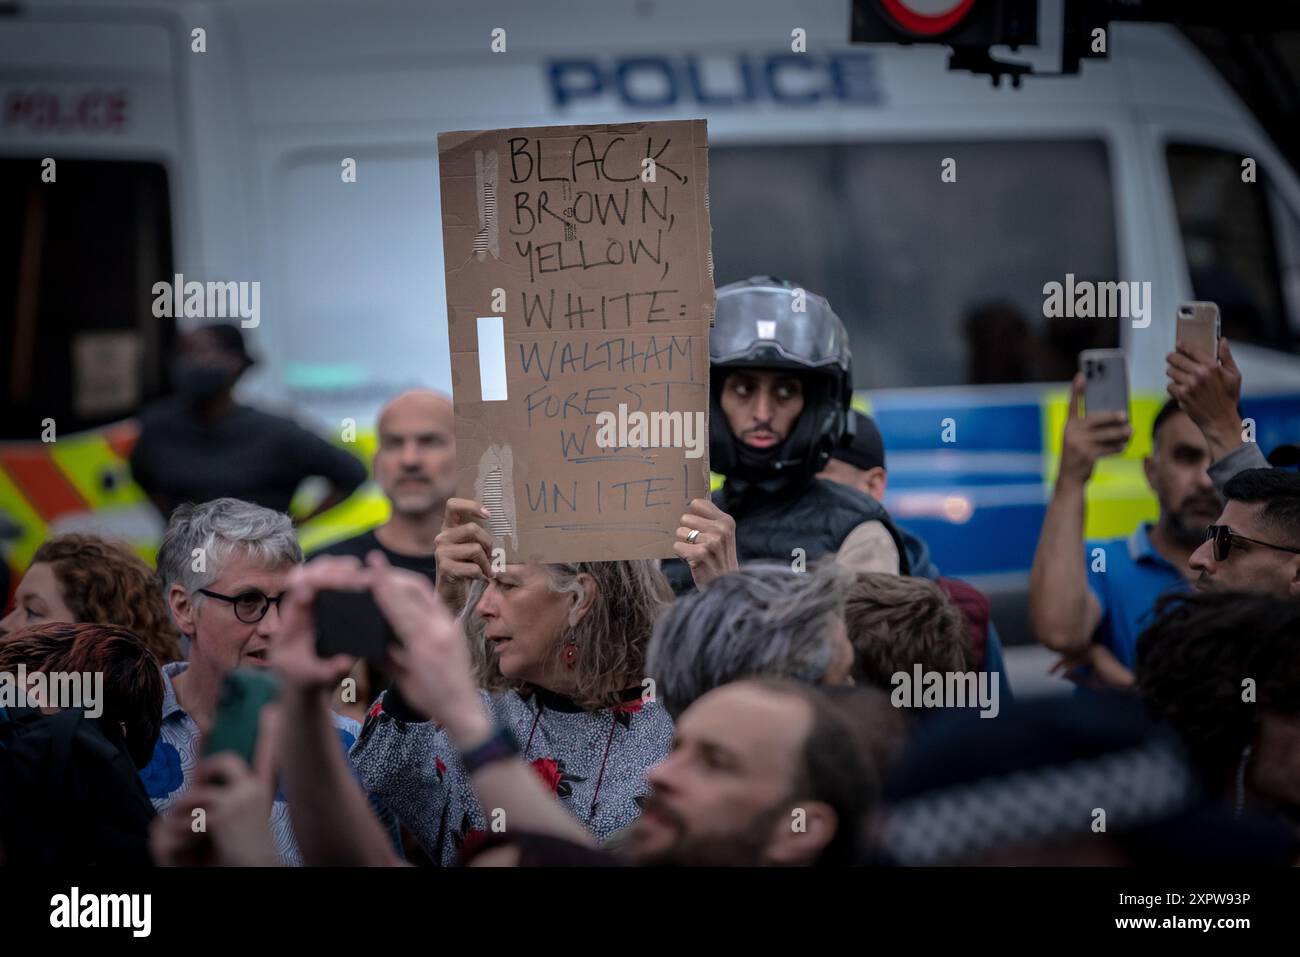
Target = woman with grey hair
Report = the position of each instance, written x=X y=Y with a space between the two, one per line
x=762 y=620
x=559 y=653
x=224 y=566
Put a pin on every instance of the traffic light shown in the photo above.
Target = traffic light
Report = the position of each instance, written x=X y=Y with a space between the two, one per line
x=969 y=27
x=954 y=23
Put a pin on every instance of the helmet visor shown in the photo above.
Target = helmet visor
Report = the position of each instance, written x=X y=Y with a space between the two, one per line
x=772 y=326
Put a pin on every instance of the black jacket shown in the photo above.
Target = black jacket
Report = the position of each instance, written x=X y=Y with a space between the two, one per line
x=70 y=795
x=816 y=516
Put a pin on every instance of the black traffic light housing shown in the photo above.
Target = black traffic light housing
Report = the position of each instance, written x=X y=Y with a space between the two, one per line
x=984 y=24
x=980 y=24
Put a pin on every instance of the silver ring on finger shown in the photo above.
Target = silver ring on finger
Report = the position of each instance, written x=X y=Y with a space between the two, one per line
x=694 y=534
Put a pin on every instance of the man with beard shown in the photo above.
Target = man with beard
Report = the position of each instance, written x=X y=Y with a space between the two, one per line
x=763 y=772
x=415 y=465
x=781 y=380
x=1090 y=600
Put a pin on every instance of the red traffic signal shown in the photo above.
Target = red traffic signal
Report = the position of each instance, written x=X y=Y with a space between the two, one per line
x=926 y=18
x=954 y=23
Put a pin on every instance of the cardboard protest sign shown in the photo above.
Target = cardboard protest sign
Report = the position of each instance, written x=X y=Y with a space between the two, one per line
x=579 y=300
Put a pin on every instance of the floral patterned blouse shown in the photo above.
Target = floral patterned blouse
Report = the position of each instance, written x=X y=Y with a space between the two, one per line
x=594 y=761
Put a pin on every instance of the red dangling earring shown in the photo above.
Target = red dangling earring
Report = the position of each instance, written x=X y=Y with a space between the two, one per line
x=570 y=654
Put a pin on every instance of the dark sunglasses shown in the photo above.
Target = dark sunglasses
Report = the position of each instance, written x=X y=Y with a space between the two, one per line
x=250 y=606
x=1223 y=536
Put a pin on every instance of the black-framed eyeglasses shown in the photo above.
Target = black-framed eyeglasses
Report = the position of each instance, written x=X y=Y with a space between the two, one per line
x=250 y=606
x=1223 y=536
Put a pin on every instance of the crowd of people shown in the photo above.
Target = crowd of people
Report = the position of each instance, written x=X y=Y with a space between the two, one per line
x=800 y=686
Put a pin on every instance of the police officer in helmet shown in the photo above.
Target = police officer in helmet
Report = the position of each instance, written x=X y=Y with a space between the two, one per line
x=781 y=385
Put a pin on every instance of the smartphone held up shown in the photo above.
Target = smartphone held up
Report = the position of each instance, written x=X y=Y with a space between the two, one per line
x=1105 y=381
x=1198 y=326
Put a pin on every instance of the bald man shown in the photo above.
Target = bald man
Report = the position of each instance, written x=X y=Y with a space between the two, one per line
x=415 y=465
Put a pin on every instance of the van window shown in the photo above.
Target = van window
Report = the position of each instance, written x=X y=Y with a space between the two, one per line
x=1233 y=252
x=939 y=283
x=79 y=343
x=362 y=257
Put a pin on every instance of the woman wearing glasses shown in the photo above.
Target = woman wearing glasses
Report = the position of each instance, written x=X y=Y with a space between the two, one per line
x=224 y=566
x=560 y=653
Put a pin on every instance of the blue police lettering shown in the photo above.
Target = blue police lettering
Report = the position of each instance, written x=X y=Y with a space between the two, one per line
x=658 y=82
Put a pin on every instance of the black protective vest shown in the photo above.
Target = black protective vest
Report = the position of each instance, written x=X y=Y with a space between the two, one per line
x=816 y=517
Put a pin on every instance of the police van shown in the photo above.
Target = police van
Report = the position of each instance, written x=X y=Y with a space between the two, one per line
x=292 y=144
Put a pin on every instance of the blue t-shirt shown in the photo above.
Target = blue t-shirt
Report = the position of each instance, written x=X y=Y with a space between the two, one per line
x=1135 y=576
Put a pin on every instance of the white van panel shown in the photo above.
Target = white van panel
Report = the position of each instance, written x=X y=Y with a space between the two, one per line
x=253 y=131
x=70 y=88
x=116 y=42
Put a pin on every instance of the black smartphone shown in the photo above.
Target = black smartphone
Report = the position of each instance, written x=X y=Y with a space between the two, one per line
x=350 y=623
x=244 y=692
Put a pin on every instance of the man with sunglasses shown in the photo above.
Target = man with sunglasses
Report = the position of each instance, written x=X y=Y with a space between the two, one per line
x=224 y=566
x=1255 y=544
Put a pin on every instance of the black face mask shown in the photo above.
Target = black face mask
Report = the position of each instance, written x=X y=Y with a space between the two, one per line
x=197 y=383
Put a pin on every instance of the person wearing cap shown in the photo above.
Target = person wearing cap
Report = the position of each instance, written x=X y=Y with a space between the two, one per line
x=201 y=445
x=859 y=462
x=780 y=386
